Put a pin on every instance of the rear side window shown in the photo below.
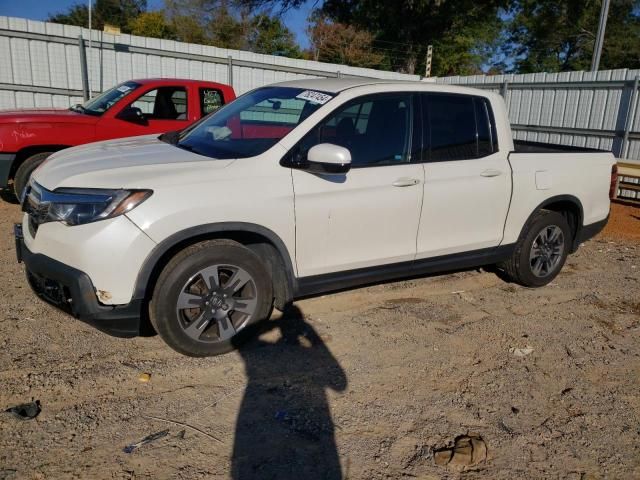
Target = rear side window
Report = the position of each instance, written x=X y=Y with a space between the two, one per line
x=210 y=100
x=459 y=127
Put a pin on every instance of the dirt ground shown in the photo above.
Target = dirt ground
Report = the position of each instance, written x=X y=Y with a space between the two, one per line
x=365 y=384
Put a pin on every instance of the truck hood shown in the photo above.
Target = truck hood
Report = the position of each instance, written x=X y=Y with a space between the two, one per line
x=48 y=115
x=134 y=162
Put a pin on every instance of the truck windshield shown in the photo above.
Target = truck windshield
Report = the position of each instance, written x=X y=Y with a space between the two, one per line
x=253 y=123
x=103 y=102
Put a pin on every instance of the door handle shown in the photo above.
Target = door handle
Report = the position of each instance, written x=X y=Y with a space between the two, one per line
x=406 y=182
x=491 y=173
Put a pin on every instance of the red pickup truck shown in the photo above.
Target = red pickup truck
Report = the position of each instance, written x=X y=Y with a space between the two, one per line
x=136 y=107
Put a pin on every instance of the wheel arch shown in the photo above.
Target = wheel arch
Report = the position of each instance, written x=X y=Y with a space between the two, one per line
x=569 y=206
x=26 y=152
x=263 y=241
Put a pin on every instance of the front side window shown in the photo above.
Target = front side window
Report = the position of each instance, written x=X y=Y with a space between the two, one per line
x=459 y=127
x=375 y=129
x=164 y=103
x=103 y=102
x=252 y=123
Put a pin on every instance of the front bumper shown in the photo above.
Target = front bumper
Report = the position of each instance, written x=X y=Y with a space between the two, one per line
x=6 y=161
x=71 y=291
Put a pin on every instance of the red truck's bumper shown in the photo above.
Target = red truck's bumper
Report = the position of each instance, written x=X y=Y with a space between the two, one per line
x=6 y=160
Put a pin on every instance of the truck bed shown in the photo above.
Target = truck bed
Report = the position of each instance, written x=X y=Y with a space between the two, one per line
x=522 y=146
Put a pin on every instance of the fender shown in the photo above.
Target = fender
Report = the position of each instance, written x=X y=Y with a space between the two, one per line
x=149 y=267
x=559 y=198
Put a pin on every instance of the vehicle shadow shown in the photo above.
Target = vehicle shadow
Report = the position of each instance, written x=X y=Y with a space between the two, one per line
x=284 y=428
x=8 y=196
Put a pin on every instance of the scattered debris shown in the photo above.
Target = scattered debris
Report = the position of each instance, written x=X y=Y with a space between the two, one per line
x=467 y=450
x=144 y=377
x=148 y=439
x=186 y=425
x=25 y=411
x=521 y=352
x=515 y=410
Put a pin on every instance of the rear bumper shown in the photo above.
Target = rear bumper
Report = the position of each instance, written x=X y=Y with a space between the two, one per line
x=6 y=160
x=72 y=291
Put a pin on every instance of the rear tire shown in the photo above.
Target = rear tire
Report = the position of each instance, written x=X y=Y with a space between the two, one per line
x=207 y=295
x=21 y=178
x=541 y=250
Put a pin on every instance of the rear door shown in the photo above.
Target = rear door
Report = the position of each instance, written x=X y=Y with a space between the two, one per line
x=467 y=185
x=369 y=216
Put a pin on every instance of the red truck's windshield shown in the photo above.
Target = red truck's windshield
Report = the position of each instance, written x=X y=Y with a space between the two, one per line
x=103 y=102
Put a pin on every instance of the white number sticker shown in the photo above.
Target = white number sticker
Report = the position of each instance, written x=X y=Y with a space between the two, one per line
x=314 y=97
x=124 y=88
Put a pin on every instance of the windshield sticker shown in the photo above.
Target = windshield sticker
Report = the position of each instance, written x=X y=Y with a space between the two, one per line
x=314 y=97
x=124 y=88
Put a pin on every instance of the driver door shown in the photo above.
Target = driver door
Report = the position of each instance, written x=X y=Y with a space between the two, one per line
x=163 y=109
x=370 y=215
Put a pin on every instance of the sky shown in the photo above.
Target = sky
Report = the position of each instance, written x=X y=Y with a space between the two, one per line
x=296 y=20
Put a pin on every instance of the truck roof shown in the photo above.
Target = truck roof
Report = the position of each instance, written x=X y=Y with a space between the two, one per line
x=336 y=85
x=172 y=81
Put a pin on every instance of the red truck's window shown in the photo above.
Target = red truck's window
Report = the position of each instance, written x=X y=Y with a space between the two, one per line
x=210 y=100
x=164 y=103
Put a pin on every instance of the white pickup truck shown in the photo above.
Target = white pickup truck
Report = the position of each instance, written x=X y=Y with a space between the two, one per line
x=296 y=189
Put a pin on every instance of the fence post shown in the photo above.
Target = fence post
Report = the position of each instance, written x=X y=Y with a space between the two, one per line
x=338 y=74
x=504 y=88
x=624 y=148
x=83 y=68
x=230 y=70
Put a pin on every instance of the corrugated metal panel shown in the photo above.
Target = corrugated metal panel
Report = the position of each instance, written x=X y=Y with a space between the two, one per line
x=597 y=105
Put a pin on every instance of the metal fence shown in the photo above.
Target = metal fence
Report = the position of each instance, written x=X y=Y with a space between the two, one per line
x=585 y=109
x=41 y=63
x=41 y=66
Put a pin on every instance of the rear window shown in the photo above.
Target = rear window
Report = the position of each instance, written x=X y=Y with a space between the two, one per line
x=460 y=127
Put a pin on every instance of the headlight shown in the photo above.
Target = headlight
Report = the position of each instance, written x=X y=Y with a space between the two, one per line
x=77 y=206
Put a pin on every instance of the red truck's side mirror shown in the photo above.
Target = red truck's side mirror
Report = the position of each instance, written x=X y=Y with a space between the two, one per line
x=133 y=115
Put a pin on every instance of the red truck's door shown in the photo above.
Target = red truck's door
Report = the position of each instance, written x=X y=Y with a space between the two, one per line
x=154 y=109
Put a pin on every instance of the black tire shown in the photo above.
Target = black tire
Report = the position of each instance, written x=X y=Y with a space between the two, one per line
x=26 y=168
x=521 y=267
x=188 y=277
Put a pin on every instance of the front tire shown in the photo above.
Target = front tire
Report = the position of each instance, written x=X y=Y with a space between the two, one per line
x=541 y=251
x=207 y=294
x=24 y=171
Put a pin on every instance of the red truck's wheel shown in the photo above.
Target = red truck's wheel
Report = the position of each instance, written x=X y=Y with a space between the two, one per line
x=25 y=170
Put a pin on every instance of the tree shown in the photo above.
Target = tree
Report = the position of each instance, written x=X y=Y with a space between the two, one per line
x=338 y=43
x=230 y=24
x=270 y=36
x=152 y=24
x=460 y=31
x=113 y=12
x=552 y=35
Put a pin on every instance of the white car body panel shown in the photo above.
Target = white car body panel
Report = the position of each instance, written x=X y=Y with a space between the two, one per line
x=363 y=222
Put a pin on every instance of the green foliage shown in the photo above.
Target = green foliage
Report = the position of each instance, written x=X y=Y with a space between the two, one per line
x=152 y=24
x=113 y=12
x=552 y=35
x=459 y=30
x=269 y=35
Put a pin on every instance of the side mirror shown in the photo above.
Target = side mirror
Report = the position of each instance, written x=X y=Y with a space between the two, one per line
x=328 y=159
x=133 y=115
